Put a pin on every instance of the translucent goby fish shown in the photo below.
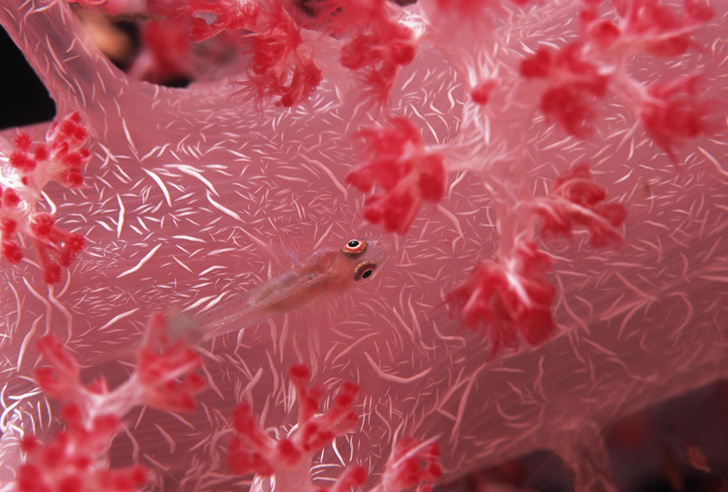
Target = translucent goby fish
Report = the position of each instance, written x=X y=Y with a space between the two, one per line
x=325 y=273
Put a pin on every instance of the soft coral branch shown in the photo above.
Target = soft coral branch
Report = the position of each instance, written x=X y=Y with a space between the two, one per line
x=672 y=114
x=282 y=67
x=77 y=458
x=375 y=43
x=288 y=459
x=252 y=450
x=31 y=167
x=164 y=377
x=512 y=296
x=578 y=75
x=574 y=84
x=412 y=462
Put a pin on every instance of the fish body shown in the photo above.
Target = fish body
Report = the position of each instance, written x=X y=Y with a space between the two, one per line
x=327 y=272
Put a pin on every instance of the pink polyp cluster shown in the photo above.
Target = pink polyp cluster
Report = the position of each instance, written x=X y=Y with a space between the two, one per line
x=376 y=48
x=61 y=158
x=404 y=169
x=576 y=200
x=574 y=85
x=672 y=113
x=280 y=70
x=585 y=71
x=164 y=376
x=32 y=166
x=77 y=457
x=411 y=463
x=512 y=296
x=252 y=450
x=508 y=298
x=70 y=460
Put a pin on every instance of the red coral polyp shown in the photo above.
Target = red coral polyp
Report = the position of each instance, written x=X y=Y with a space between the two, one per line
x=574 y=86
x=273 y=46
x=575 y=199
x=280 y=69
x=404 y=169
x=672 y=114
x=56 y=248
x=165 y=368
x=412 y=462
x=508 y=298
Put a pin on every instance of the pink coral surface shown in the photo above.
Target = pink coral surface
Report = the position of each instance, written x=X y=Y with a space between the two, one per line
x=189 y=199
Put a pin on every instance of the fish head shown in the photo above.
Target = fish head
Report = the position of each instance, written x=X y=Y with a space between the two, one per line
x=362 y=256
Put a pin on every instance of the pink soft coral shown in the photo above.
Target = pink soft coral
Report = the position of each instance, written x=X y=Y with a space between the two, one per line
x=77 y=458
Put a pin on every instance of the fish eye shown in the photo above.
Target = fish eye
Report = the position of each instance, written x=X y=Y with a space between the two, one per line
x=354 y=248
x=364 y=269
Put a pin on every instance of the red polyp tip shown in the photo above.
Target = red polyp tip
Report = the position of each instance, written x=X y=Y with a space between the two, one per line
x=10 y=251
x=697 y=12
x=243 y=420
x=80 y=135
x=40 y=153
x=106 y=425
x=8 y=225
x=353 y=476
x=347 y=394
x=480 y=94
x=74 y=245
x=42 y=225
x=433 y=175
x=538 y=65
x=299 y=373
x=22 y=141
x=356 y=474
x=30 y=444
x=56 y=352
x=288 y=453
x=22 y=161
x=396 y=209
x=411 y=463
x=72 y=414
x=51 y=273
x=603 y=34
x=10 y=198
x=138 y=475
